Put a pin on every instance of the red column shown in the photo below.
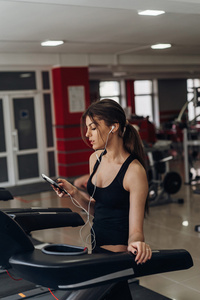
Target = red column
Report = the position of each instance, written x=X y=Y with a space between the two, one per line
x=73 y=153
x=130 y=95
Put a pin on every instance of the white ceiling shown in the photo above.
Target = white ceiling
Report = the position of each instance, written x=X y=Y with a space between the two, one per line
x=107 y=28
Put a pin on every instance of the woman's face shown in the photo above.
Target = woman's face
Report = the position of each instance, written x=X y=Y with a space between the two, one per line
x=97 y=135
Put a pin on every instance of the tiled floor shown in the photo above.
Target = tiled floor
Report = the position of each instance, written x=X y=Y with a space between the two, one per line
x=164 y=229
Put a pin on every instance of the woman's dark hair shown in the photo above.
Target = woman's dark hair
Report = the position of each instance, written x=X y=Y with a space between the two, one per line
x=111 y=112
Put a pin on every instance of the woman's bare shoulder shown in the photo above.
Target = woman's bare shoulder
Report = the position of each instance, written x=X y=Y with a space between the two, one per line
x=93 y=158
x=136 y=165
x=136 y=174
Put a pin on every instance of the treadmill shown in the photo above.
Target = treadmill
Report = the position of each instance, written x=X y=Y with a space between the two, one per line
x=70 y=272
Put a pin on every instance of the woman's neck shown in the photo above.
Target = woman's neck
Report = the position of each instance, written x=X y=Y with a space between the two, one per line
x=116 y=152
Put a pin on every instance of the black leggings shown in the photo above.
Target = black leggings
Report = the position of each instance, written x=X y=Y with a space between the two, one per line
x=121 y=290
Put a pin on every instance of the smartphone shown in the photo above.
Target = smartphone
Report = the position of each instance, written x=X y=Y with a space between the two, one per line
x=55 y=184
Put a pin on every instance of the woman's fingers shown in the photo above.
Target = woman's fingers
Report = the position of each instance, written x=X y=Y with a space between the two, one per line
x=58 y=191
x=142 y=251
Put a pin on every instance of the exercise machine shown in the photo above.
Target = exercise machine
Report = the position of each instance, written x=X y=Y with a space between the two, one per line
x=31 y=219
x=5 y=195
x=71 y=269
x=191 y=138
x=162 y=182
x=191 y=145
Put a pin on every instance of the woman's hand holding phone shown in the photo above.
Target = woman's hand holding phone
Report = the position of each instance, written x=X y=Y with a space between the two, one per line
x=60 y=186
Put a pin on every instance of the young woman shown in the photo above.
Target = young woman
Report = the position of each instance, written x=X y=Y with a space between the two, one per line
x=118 y=184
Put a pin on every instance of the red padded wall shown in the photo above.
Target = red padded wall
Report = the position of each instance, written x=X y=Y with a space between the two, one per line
x=73 y=153
x=130 y=95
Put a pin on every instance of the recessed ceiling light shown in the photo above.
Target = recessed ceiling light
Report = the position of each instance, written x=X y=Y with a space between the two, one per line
x=25 y=75
x=149 y=12
x=118 y=74
x=161 y=46
x=52 y=43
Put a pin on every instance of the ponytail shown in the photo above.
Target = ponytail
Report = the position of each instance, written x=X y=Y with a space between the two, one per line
x=133 y=143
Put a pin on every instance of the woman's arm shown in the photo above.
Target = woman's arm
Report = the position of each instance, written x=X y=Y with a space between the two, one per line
x=81 y=182
x=76 y=196
x=80 y=198
x=136 y=183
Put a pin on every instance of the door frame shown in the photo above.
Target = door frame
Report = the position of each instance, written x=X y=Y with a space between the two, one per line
x=9 y=128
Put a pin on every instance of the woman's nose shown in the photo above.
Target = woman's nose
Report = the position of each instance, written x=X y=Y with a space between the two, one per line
x=87 y=133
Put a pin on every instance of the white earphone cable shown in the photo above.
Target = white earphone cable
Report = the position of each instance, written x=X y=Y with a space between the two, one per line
x=91 y=235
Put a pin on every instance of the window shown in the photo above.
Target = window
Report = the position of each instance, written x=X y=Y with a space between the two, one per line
x=2 y=129
x=143 y=98
x=110 y=89
x=143 y=87
x=16 y=81
x=193 y=111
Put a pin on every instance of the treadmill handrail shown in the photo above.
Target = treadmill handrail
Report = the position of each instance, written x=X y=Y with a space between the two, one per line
x=39 y=221
x=69 y=272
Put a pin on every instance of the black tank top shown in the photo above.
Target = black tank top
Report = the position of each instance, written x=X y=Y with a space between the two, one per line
x=111 y=217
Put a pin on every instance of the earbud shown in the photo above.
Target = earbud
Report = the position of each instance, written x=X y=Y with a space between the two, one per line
x=111 y=129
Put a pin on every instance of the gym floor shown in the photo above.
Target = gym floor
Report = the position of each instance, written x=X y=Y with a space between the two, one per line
x=169 y=226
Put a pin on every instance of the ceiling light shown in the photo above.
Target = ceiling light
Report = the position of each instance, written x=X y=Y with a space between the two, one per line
x=161 y=46
x=119 y=74
x=52 y=43
x=149 y=12
x=25 y=75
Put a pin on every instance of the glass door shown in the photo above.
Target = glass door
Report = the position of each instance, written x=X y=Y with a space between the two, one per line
x=24 y=136
x=26 y=128
x=22 y=142
x=3 y=152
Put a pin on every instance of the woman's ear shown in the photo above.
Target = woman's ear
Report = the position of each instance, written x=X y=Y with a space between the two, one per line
x=115 y=127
